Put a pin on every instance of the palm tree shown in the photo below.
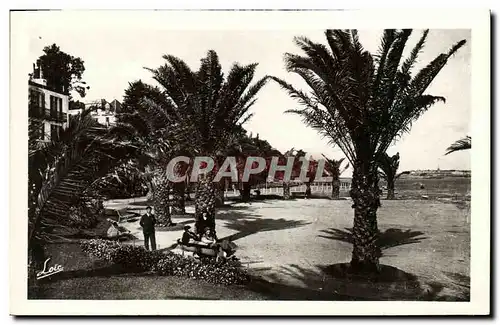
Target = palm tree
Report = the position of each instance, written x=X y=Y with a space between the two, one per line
x=362 y=103
x=60 y=172
x=333 y=167
x=145 y=127
x=462 y=144
x=388 y=172
x=297 y=154
x=204 y=109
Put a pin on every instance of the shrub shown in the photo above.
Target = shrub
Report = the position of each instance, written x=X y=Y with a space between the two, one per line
x=136 y=258
x=207 y=269
x=100 y=248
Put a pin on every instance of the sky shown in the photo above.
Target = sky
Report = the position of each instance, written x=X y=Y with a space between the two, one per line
x=115 y=53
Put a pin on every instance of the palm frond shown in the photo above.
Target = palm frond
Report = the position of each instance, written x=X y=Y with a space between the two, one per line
x=411 y=60
x=64 y=168
x=462 y=144
x=406 y=172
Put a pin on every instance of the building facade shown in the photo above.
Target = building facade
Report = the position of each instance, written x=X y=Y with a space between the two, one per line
x=47 y=108
x=102 y=111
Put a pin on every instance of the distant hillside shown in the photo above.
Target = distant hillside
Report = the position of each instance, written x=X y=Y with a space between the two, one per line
x=438 y=173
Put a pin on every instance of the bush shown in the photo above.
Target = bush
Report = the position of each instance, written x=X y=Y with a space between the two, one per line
x=136 y=258
x=206 y=269
x=100 y=248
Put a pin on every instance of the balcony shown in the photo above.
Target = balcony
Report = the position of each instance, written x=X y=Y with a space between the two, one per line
x=47 y=114
x=55 y=116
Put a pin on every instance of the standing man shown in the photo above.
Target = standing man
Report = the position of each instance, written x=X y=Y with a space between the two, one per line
x=147 y=223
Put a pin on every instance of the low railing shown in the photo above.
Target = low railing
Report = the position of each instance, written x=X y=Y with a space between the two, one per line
x=55 y=116
x=323 y=188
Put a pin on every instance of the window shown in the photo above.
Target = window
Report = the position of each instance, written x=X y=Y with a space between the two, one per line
x=53 y=106
x=37 y=102
x=54 y=132
x=56 y=107
x=34 y=98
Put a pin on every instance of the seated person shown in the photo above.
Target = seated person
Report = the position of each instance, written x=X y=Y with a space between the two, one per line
x=207 y=238
x=189 y=237
x=228 y=247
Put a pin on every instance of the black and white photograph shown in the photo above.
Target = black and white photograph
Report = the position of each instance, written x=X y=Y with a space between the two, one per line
x=320 y=163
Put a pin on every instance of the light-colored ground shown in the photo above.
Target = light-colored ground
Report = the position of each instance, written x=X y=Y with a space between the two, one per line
x=290 y=241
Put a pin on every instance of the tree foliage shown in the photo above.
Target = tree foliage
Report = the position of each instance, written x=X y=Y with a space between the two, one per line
x=358 y=101
x=63 y=71
x=61 y=171
x=462 y=144
x=205 y=107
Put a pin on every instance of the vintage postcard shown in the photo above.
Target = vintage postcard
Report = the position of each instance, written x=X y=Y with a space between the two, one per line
x=256 y=162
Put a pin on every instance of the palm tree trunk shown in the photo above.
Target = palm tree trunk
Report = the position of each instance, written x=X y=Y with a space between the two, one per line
x=245 y=192
x=161 y=197
x=335 y=189
x=390 y=190
x=205 y=203
x=219 y=198
x=179 y=192
x=149 y=195
x=308 y=190
x=366 y=196
x=286 y=191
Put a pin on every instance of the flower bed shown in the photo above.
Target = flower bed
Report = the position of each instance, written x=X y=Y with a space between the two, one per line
x=136 y=258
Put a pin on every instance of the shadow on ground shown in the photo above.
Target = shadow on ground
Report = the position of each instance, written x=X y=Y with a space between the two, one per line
x=245 y=227
x=279 y=291
x=336 y=282
x=177 y=225
x=389 y=238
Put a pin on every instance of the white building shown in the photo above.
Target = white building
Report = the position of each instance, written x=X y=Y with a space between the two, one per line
x=47 y=108
x=102 y=111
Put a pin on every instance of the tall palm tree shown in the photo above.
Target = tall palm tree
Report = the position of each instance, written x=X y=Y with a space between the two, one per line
x=205 y=108
x=462 y=144
x=61 y=171
x=362 y=103
x=333 y=166
x=389 y=172
x=146 y=127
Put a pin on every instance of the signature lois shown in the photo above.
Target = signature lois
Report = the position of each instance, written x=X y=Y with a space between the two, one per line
x=51 y=271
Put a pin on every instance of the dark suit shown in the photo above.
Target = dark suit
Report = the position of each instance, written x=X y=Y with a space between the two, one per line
x=148 y=229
